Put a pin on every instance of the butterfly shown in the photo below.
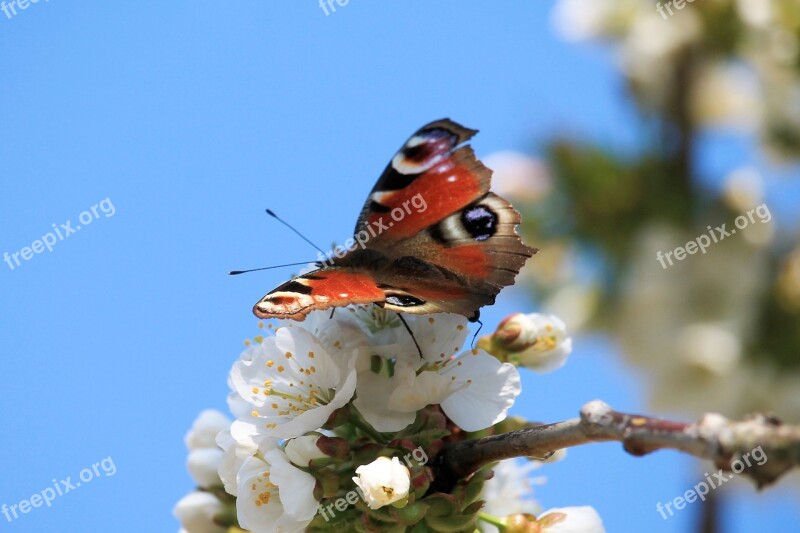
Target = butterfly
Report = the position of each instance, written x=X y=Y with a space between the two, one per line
x=430 y=238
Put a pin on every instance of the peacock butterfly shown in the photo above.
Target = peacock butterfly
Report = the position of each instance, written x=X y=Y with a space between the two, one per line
x=431 y=238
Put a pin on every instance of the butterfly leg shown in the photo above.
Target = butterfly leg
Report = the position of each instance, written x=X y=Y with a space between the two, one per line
x=480 y=327
x=403 y=320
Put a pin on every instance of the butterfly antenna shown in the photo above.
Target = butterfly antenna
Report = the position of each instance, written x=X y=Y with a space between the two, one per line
x=271 y=213
x=237 y=272
x=403 y=320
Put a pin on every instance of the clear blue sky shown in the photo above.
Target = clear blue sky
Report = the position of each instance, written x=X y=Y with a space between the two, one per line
x=192 y=117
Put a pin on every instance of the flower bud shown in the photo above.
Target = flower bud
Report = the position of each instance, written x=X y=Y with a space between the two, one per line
x=383 y=481
x=335 y=447
x=197 y=510
x=302 y=450
x=205 y=428
x=535 y=341
x=203 y=465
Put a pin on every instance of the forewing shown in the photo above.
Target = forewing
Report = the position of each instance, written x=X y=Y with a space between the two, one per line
x=429 y=178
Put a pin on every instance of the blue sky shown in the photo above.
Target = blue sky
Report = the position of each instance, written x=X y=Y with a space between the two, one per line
x=191 y=118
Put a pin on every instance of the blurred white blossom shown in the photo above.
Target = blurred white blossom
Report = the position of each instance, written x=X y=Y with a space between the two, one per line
x=690 y=335
x=510 y=490
x=518 y=176
x=726 y=94
x=752 y=85
x=572 y=520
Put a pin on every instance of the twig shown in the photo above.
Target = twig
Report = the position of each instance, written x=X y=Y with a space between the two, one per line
x=713 y=437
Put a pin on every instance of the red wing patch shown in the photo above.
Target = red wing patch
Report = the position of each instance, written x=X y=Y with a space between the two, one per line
x=320 y=289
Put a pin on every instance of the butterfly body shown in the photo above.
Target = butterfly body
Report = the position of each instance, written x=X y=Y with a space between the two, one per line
x=430 y=238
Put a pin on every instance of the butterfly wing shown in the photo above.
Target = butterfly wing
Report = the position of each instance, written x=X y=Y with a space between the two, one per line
x=435 y=239
x=450 y=244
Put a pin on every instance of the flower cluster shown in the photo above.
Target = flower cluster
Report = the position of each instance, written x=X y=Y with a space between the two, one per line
x=338 y=417
x=201 y=511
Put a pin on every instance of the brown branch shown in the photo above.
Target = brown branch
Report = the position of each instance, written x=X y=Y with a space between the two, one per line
x=713 y=437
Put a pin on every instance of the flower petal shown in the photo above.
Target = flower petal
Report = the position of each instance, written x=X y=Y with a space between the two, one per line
x=372 y=401
x=490 y=391
x=296 y=487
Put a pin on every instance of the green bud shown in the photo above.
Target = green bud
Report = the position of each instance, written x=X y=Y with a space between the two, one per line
x=410 y=514
x=454 y=523
x=421 y=479
x=441 y=504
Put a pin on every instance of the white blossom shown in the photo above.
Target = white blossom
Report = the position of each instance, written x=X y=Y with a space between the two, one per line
x=291 y=384
x=474 y=389
x=518 y=175
x=274 y=496
x=383 y=481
